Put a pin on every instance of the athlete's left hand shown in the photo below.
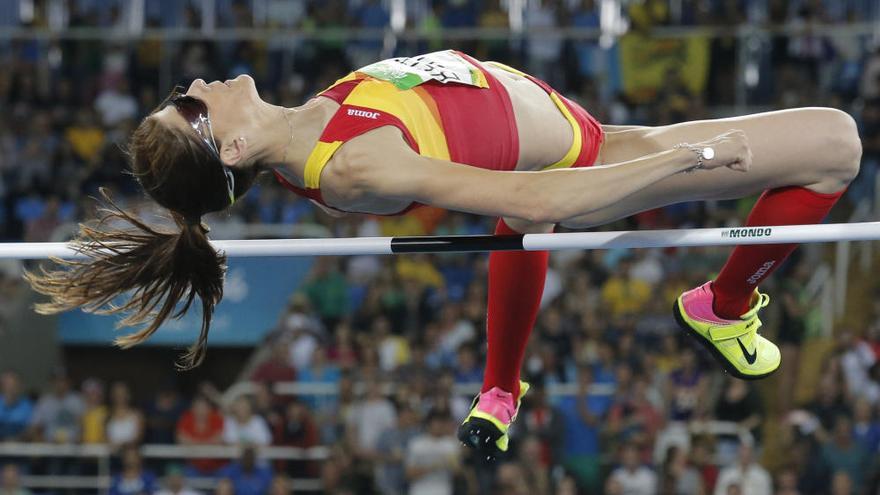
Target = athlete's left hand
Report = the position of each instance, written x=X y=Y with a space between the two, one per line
x=732 y=150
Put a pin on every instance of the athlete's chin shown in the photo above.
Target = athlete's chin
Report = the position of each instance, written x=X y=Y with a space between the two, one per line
x=245 y=83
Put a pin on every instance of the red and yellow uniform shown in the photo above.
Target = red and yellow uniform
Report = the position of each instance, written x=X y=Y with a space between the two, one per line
x=441 y=115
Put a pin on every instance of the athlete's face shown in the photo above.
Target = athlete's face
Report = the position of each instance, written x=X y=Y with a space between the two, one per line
x=231 y=106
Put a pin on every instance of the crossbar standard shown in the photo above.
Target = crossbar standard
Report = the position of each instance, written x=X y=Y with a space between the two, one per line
x=861 y=231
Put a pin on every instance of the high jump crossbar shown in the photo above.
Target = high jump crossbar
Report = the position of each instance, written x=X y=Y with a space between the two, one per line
x=861 y=231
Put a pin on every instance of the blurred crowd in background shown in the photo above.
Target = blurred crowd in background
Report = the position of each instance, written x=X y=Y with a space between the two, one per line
x=638 y=419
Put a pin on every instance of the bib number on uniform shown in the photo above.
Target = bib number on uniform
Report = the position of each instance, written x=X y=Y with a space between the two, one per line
x=444 y=67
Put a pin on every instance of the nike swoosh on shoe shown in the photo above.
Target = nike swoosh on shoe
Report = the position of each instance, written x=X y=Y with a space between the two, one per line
x=750 y=357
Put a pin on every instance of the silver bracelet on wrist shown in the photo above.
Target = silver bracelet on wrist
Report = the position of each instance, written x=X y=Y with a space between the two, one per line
x=702 y=152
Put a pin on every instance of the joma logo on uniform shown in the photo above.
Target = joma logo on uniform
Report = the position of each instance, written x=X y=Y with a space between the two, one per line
x=748 y=232
x=363 y=113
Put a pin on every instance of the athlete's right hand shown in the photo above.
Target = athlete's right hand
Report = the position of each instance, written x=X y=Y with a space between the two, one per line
x=732 y=150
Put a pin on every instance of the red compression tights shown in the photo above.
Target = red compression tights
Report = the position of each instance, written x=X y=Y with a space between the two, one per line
x=749 y=265
x=516 y=284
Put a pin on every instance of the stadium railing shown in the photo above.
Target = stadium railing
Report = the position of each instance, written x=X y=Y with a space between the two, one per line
x=102 y=454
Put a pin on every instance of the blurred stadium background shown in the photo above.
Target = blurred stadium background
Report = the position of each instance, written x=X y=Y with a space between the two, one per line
x=347 y=375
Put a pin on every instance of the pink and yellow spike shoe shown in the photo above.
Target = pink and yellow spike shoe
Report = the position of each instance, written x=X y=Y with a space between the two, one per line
x=735 y=343
x=485 y=427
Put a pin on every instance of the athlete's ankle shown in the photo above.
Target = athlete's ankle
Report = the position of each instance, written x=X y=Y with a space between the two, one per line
x=729 y=308
x=514 y=391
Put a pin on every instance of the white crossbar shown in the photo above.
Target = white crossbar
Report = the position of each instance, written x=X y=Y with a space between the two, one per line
x=862 y=231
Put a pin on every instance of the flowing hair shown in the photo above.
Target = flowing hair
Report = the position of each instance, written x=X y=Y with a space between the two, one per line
x=159 y=271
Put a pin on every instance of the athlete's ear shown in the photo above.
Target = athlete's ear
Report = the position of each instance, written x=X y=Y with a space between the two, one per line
x=233 y=152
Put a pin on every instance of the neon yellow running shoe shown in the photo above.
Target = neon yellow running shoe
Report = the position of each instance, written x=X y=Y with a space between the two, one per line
x=485 y=427
x=735 y=343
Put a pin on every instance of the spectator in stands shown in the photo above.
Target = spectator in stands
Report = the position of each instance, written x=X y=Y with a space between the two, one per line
x=830 y=401
x=175 y=484
x=566 y=486
x=302 y=342
x=95 y=412
x=842 y=484
x=369 y=419
x=583 y=415
x=739 y=403
x=85 y=136
x=133 y=479
x=162 y=415
x=10 y=482
x=267 y=405
x=687 y=388
x=277 y=367
x=634 y=477
x=604 y=366
x=297 y=429
x=125 y=424
x=856 y=360
x=116 y=103
x=201 y=425
x=16 y=410
x=58 y=415
x=623 y=294
x=243 y=427
x=541 y=420
x=632 y=417
x=535 y=470
x=544 y=52
x=280 y=486
x=468 y=369
x=393 y=350
x=866 y=428
x=786 y=482
x=843 y=454
x=342 y=350
x=677 y=476
x=248 y=475
x=747 y=474
x=224 y=487
x=41 y=227
x=320 y=371
x=432 y=458
x=327 y=290
x=701 y=457
x=391 y=447
x=511 y=480
x=792 y=327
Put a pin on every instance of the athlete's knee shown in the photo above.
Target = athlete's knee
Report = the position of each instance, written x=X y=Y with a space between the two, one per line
x=843 y=144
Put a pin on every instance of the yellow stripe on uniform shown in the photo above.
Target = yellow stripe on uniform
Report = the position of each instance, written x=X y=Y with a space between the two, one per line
x=407 y=106
x=507 y=68
x=576 y=142
x=350 y=77
x=318 y=158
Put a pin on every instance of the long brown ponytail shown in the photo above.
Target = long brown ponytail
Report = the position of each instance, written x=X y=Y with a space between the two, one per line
x=160 y=268
x=160 y=271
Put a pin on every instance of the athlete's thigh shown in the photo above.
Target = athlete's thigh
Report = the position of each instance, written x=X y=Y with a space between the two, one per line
x=789 y=147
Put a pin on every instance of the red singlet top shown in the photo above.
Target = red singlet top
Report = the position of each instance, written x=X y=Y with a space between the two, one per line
x=448 y=106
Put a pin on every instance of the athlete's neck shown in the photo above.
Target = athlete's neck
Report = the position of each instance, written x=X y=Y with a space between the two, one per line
x=293 y=132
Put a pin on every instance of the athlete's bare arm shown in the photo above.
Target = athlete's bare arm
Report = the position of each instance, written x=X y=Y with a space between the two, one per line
x=377 y=169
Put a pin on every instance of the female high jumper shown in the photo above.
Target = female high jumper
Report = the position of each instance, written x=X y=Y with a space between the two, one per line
x=446 y=130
